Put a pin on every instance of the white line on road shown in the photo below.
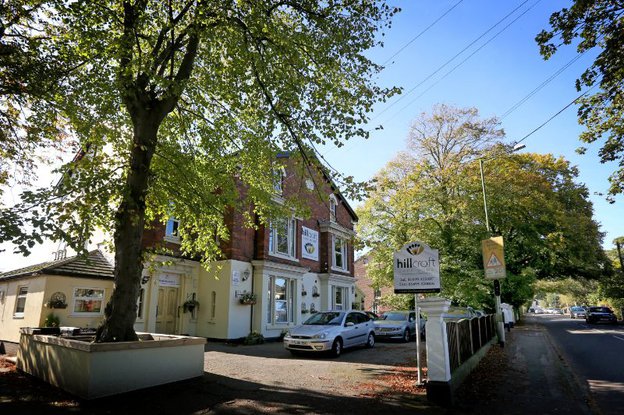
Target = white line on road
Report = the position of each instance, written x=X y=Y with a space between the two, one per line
x=619 y=338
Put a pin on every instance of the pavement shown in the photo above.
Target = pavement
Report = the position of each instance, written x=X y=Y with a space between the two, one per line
x=527 y=376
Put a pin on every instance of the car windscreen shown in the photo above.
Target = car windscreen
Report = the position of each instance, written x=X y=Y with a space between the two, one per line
x=600 y=310
x=325 y=319
x=394 y=316
x=577 y=309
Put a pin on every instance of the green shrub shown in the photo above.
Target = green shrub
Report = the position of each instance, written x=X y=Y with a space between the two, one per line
x=254 y=338
x=52 y=320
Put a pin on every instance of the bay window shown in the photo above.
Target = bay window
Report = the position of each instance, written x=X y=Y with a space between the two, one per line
x=281 y=296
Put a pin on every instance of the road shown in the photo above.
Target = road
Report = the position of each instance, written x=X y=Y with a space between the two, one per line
x=595 y=353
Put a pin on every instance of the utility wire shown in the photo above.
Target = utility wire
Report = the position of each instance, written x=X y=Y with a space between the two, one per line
x=555 y=115
x=540 y=86
x=450 y=60
x=462 y=62
x=422 y=32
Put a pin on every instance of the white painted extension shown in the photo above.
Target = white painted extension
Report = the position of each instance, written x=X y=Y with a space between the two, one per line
x=93 y=370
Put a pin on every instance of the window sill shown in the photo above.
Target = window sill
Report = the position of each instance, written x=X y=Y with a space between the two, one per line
x=18 y=316
x=85 y=314
x=340 y=269
x=172 y=239
x=284 y=256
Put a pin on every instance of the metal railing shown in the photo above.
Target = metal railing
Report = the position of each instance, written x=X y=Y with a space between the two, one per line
x=467 y=336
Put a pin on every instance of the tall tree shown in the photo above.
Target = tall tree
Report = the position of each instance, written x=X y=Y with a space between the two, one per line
x=181 y=100
x=433 y=193
x=596 y=24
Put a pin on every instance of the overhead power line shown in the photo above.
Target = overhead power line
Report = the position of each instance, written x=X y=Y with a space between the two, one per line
x=451 y=59
x=463 y=61
x=555 y=115
x=421 y=33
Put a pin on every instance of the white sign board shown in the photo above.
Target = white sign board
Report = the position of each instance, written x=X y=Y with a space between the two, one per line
x=309 y=243
x=416 y=269
x=169 y=280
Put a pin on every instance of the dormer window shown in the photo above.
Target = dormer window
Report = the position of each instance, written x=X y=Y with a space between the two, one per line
x=332 y=208
x=171 y=230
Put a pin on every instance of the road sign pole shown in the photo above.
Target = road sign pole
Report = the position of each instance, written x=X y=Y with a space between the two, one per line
x=419 y=382
x=500 y=327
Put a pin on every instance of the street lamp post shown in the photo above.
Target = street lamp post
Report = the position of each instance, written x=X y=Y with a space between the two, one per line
x=500 y=329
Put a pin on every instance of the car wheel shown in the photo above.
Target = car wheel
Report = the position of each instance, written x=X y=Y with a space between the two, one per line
x=407 y=335
x=370 y=343
x=336 y=349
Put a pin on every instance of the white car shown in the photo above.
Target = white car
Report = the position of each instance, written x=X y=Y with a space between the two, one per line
x=331 y=331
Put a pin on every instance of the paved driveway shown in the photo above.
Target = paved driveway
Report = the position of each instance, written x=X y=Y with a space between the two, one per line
x=271 y=365
x=261 y=379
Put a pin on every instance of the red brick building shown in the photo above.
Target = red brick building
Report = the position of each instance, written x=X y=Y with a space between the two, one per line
x=370 y=292
x=269 y=279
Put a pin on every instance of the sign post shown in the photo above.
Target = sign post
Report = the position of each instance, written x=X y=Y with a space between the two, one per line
x=416 y=270
x=494 y=266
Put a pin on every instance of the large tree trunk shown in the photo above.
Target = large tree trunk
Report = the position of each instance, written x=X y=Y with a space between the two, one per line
x=121 y=310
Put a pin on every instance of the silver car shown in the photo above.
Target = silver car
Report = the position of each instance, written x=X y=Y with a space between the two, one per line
x=331 y=331
x=398 y=325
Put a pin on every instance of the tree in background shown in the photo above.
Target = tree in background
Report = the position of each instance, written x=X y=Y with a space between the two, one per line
x=432 y=193
x=33 y=67
x=596 y=23
x=178 y=102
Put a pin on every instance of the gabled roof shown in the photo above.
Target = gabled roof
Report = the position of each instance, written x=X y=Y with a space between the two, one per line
x=327 y=177
x=94 y=265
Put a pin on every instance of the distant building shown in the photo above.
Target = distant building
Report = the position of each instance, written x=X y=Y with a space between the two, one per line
x=372 y=294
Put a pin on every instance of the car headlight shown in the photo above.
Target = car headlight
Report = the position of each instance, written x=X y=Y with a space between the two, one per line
x=322 y=335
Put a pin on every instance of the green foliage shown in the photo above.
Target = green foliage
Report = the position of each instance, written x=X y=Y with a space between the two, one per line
x=52 y=320
x=433 y=193
x=32 y=69
x=253 y=338
x=397 y=301
x=596 y=24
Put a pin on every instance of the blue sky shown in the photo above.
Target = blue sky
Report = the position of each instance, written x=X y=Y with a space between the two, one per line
x=494 y=79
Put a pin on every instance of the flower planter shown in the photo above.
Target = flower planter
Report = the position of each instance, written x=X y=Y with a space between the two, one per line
x=93 y=370
x=247 y=302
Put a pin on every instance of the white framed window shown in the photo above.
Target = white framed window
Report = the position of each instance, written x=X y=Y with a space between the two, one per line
x=281 y=294
x=339 y=249
x=20 y=301
x=339 y=298
x=171 y=230
x=278 y=181
x=333 y=203
x=282 y=238
x=88 y=301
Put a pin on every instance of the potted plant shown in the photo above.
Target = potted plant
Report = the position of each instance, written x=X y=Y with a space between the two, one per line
x=248 y=298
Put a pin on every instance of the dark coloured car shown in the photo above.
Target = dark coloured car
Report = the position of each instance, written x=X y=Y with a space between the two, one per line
x=600 y=314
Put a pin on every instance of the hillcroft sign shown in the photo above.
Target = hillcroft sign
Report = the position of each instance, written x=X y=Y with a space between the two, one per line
x=416 y=269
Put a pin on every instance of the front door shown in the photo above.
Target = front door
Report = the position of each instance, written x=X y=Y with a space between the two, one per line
x=166 y=310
